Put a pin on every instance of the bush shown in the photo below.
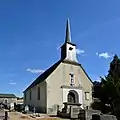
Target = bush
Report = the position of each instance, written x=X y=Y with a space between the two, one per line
x=97 y=106
x=18 y=107
x=100 y=106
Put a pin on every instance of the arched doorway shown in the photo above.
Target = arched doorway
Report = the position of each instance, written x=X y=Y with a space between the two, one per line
x=73 y=97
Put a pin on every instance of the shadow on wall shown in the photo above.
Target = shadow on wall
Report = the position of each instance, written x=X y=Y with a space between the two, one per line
x=40 y=109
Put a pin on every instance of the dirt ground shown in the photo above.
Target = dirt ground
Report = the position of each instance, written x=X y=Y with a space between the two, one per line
x=20 y=116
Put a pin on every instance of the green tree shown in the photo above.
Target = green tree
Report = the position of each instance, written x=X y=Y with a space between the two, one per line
x=108 y=90
x=112 y=84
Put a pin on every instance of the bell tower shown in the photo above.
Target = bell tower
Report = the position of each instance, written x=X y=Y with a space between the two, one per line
x=68 y=49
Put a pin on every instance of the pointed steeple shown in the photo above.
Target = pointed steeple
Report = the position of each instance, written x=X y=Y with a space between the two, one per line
x=68 y=49
x=68 y=34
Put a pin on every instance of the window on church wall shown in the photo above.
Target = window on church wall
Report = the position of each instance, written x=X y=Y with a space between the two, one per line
x=25 y=96
x=87 y=95
x=71 y=79
x=30 y=94
x=38 y=93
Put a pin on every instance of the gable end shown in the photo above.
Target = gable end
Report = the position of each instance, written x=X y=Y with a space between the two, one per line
x=77 y=64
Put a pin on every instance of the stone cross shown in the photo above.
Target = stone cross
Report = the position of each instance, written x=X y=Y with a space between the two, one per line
x=34 y=110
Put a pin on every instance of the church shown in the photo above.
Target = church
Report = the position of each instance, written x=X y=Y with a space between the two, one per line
x=65 y=81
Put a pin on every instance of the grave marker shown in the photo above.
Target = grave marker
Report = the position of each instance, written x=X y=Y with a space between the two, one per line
x=74 y=111
x=11 y=106
x=34 y=110
x=26 y=108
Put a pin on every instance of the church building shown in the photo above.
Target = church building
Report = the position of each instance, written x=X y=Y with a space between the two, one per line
x=65 y=81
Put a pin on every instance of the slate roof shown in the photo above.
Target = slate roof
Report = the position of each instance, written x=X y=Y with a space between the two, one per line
x=44 y=75
x=2 y=95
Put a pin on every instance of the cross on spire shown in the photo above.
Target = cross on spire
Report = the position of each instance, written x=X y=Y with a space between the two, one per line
x=68 y=34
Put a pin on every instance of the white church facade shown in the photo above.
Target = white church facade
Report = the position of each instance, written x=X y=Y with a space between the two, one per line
x=64 y=81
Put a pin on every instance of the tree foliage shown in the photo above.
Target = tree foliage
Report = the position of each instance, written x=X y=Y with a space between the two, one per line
x=108 y=90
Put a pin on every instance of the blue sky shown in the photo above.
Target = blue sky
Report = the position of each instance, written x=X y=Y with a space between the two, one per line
x=31 y=32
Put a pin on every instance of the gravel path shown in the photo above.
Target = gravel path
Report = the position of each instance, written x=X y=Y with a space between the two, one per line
x=19 y=116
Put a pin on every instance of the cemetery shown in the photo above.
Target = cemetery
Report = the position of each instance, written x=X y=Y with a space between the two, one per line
x=70 y=111
x=79 y=85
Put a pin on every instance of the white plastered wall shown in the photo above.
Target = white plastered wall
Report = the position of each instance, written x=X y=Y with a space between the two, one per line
x=71 y=55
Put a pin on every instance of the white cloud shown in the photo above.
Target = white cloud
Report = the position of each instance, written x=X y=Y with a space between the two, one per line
x=35 y=70
x=104 y=55
x=13 y=83
x=96 y=79
x=78 y=51
x=99 y=80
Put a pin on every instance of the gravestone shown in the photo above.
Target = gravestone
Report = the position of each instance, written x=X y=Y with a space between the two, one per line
x=1 y=106
x=26 y=108
x=74 y=111
x=90 y=112
x=64 y=110
x=34 y=111
x=58 y=107
x=11 y=106
x=108 y=117
x=82 y=115
x=103 y=117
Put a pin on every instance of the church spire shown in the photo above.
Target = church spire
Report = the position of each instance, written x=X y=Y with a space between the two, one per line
x=68 y=49
x=68 y=35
